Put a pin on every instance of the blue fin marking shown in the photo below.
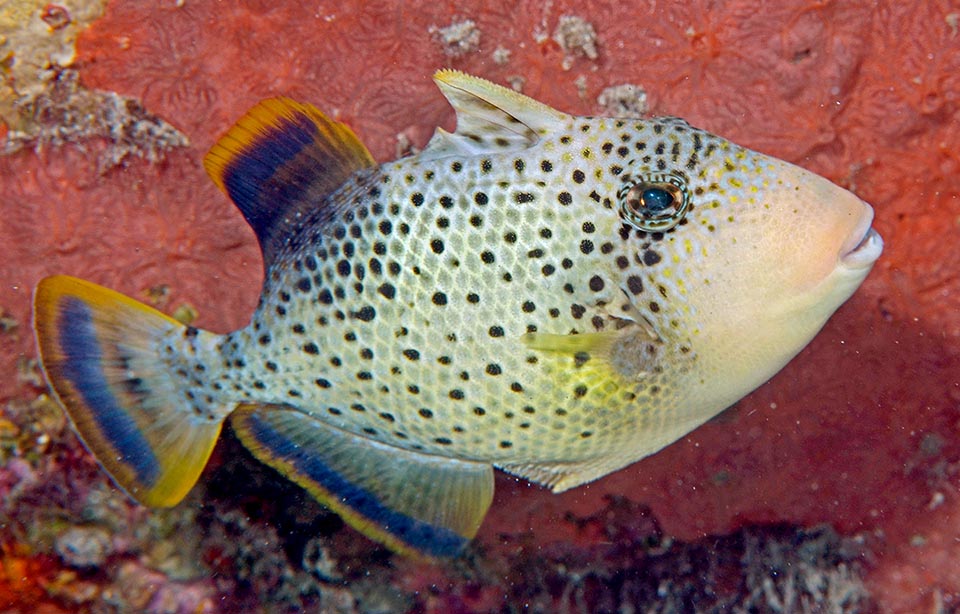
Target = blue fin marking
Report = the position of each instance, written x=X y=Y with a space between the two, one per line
x=246 y=175
x=83 y=359
x=418 y=535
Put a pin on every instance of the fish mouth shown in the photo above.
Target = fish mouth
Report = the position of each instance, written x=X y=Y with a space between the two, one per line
x=863 y=247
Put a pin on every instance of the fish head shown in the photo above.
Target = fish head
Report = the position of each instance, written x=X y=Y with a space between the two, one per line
x=746 y=256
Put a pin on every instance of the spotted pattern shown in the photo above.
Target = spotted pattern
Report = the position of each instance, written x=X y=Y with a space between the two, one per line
x=421 y=314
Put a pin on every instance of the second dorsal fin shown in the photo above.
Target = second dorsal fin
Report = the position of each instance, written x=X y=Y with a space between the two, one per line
x=283 y=158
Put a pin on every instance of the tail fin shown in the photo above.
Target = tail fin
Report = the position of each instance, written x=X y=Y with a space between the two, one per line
x=102 y=355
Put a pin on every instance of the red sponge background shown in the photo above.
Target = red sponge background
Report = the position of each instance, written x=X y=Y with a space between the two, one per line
x=860 y=431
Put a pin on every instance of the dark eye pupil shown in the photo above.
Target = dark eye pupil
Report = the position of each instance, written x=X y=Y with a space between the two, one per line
x=656 y=200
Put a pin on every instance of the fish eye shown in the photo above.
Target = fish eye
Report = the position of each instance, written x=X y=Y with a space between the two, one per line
x=655 y=202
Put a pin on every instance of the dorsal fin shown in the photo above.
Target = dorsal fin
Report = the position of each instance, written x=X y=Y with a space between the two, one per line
x=490 y=118
x=281 y=160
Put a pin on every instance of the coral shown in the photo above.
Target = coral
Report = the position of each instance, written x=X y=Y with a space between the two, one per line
x=63 y=112
x=631 y=566
x=626 y=100
x=83 y=547
x=576 y=38
x=458 y=39
x=36 y=38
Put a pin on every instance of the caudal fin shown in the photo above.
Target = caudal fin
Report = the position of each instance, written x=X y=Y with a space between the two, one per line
x=103 y=355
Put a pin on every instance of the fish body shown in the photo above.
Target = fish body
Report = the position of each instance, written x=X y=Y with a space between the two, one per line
x=552 y=295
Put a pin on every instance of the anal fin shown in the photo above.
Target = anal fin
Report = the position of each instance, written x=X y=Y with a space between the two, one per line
x=413 y=503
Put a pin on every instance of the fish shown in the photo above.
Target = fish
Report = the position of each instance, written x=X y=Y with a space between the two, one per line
x=551 y=295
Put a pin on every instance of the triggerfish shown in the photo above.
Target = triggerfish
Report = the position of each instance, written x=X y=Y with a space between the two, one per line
x=552 y=295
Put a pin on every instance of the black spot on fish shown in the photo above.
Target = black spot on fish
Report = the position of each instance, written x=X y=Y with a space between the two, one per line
x=387 y=290
x=524 y=197
x=366 y=313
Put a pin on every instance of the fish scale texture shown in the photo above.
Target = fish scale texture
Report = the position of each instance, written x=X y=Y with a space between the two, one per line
x=864 y=93
x=425 y=292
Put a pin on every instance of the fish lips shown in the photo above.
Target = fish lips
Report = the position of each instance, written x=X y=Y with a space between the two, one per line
x=863 y=246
